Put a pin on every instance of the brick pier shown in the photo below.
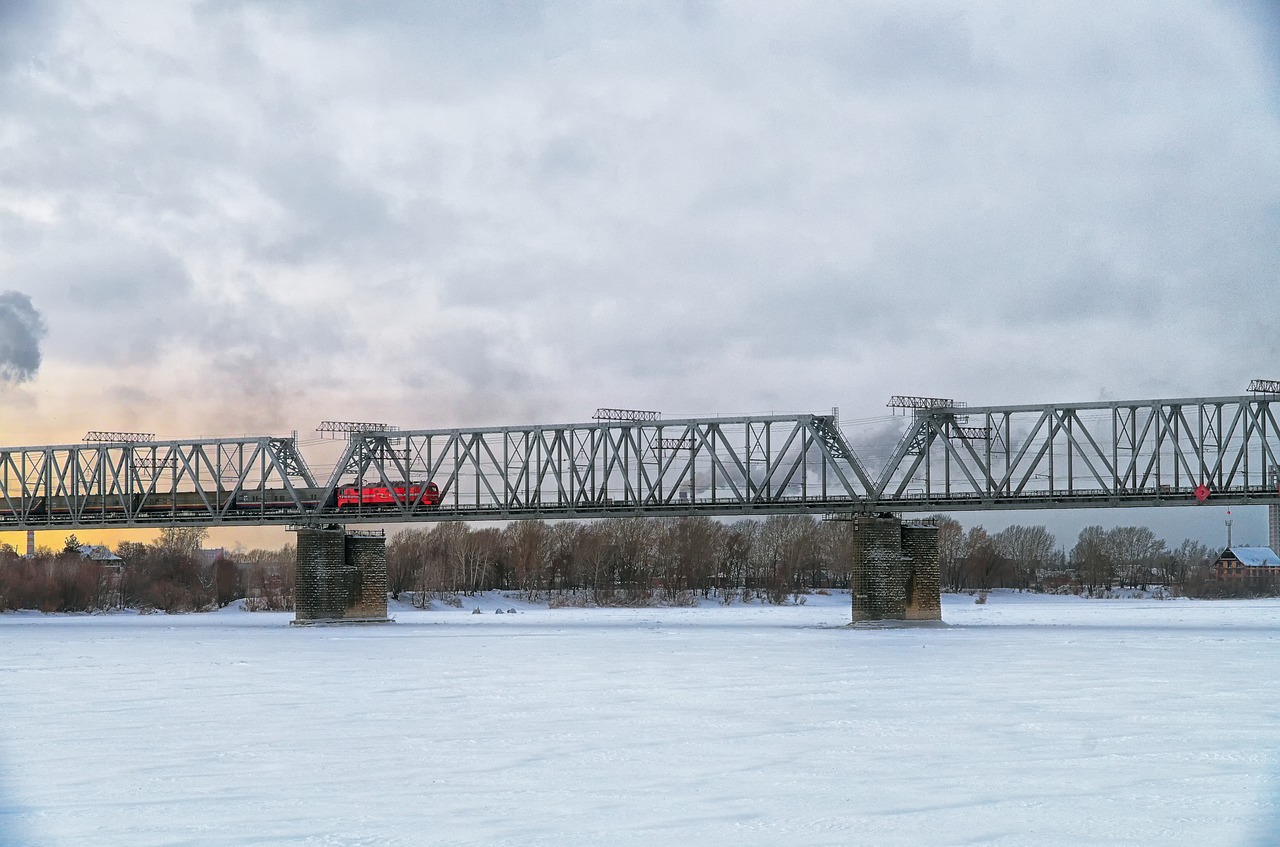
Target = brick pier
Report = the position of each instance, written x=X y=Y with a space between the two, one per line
x=342 y=577
x=895 y=570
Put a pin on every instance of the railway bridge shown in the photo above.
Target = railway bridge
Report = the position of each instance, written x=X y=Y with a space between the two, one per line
x=1170 y=452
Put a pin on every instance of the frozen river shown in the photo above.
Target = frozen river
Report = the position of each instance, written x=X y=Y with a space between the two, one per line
x=1027 y=720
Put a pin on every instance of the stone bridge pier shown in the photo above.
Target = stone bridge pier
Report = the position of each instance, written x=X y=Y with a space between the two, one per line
x=895 y=570
x=341 y=577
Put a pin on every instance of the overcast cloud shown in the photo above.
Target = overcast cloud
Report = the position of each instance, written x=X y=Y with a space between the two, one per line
x=240 y=217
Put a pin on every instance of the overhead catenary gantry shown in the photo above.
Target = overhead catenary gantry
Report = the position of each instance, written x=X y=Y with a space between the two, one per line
x=1265 y=386
x=102 y=437
x=950 y=457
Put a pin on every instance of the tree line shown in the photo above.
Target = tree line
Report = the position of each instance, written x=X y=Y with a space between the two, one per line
x=168 y=574
x=1029 y=557
x=622 y=561
x=635 y=560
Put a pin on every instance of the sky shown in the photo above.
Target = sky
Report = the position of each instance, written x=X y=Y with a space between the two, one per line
x=245 y=218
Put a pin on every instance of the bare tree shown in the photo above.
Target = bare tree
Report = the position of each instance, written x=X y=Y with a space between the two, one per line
x=983 y=564
x=182 y=540
x=269 y=578
x=227 y=583
x=167 y=573
x=785 y=552
x=593 y=552
x=473 y=557
x=695 y=545
x=440 y=572
x=1029 y=549
x=633 y=555
x=1136 y=552
x=406 y=553
x=565 y=556
x=736 y=554
x=1093 y=559
x=836 y=541
x=528 y=547
x=1189 y=565
x=950 y=552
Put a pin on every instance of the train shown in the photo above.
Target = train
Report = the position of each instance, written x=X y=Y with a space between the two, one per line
x=346 y=497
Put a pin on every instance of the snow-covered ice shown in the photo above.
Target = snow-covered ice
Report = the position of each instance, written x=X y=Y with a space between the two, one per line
x=1027 y=720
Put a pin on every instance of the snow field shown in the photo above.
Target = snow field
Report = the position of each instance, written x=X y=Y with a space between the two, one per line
x=1027 y=720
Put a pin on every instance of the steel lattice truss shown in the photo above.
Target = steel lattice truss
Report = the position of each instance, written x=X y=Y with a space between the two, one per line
x=203 y=483
x=746 y=465
x=1149 y=453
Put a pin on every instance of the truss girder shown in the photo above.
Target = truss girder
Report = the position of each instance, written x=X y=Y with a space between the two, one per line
x=1140 y=453
x=137 y=484
x=717 y=465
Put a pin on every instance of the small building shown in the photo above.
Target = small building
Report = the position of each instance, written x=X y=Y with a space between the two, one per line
x=208 y=556
x=99 y=553
x=1254 y=565
x=112 y=571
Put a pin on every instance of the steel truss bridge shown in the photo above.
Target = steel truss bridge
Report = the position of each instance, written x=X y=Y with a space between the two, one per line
x=1139 y=453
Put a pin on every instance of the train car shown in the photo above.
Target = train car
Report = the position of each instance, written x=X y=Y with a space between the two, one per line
x=278 y=499
x=155 y=503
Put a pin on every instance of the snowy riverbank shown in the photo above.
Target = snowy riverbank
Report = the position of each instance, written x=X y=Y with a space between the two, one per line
x=1026 y=720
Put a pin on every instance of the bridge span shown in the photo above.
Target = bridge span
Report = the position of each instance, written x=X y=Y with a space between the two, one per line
x=951 y=458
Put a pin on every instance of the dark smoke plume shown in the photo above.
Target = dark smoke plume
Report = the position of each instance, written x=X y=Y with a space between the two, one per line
x=21 y=329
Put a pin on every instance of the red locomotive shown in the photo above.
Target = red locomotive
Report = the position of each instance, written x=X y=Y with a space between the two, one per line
x=381 y=495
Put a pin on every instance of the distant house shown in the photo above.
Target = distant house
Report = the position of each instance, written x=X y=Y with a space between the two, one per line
x=111 y=568
x=1254 y=565
x=99 y=553
x=209 y=556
